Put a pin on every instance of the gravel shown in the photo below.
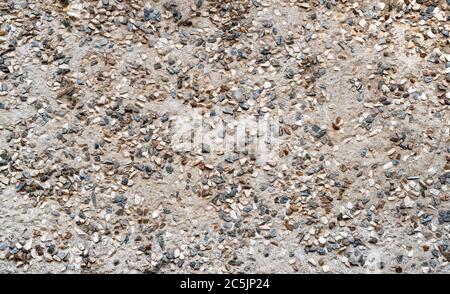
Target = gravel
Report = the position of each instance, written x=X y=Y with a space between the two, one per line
x=224 y=136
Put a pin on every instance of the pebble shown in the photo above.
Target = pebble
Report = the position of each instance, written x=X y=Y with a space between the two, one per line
x=408 y=202
x=322 y=240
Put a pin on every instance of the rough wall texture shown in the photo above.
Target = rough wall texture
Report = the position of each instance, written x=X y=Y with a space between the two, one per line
x=224 y=136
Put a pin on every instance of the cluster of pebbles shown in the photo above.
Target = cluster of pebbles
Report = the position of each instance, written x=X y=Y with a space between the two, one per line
x=92 y=178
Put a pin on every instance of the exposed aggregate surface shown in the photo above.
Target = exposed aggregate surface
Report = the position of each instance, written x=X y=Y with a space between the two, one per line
x=353 y=176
